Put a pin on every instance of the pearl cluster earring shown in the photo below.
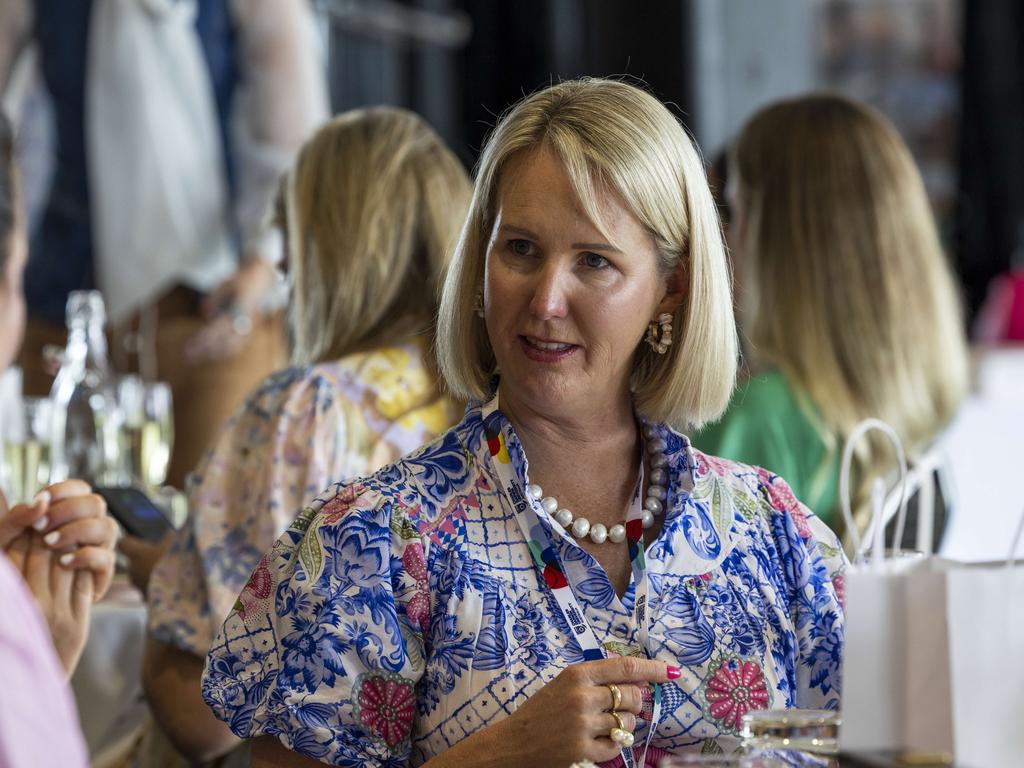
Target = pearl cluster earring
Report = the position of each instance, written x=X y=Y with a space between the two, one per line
x=659 y=333
x=654 y=502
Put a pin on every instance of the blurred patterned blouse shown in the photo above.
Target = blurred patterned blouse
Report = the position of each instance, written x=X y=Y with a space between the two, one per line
x=301 y=430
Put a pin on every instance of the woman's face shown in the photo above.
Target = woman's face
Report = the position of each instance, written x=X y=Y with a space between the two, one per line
x=12 y=298
x=565 y=308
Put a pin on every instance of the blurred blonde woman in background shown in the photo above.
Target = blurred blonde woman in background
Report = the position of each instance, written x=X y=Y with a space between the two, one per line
x=845 y=297
x=371 y=212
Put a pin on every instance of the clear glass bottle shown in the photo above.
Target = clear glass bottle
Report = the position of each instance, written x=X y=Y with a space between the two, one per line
x=85 y=421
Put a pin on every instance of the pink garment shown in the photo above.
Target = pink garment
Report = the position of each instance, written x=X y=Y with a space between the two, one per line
x=38 y=720
x=1001 y=317
x=653 y=758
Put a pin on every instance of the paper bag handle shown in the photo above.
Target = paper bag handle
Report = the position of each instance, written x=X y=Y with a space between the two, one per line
x=1011 y=559
x=877 y=525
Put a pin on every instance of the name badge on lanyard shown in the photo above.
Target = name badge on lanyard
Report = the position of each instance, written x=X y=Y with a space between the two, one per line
x=545 y=557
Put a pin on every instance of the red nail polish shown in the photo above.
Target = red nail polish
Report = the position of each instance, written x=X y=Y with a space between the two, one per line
x=673 y=672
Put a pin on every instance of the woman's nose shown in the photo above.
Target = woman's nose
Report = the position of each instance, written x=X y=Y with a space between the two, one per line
x=550 y=297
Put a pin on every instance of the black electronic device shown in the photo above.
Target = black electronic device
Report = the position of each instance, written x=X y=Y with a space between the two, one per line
x=136 y=513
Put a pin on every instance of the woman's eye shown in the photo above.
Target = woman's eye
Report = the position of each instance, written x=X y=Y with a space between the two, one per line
x=520 y=247
x=595 y=261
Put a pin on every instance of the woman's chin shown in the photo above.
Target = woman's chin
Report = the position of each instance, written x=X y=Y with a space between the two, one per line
x=546 y=392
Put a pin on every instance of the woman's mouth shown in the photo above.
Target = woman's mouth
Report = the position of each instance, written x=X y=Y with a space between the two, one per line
x=546 y=350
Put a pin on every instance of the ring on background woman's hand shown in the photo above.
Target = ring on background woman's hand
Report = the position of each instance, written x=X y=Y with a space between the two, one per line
x=619 y=734
x=616 y=696
x=241 y=321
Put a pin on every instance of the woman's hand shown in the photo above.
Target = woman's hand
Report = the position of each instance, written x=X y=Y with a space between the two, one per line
x=567 y=720
x=63 y=545
x=142 y=558
x=231 y=309
x=21 y=518
x=64 y=595
x=73 y=524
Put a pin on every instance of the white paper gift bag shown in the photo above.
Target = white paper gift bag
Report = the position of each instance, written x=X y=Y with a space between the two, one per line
x=934 y=654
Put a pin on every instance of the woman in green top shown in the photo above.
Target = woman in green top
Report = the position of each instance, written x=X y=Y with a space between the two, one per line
x=846 y=299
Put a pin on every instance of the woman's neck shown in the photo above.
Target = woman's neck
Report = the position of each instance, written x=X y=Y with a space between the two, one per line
x=603 y=441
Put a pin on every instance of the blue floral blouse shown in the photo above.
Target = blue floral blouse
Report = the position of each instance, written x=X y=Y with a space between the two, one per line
x=402 y=612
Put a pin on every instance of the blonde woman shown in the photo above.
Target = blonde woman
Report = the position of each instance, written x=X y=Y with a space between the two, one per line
x=372 y=211
x=560 y=576
x=845 y=296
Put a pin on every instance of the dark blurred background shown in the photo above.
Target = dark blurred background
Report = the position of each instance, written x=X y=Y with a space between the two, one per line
x=949 y=74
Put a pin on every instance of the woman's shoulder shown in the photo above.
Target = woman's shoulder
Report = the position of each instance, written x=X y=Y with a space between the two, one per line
x=748 y=498
x=764 y=501
x=419 y=492
x=318 y=384
x=747 y=480
x=301 y=404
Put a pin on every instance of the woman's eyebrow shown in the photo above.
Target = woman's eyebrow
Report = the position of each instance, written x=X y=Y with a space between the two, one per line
x=512 y=229
x=596 y=247
x=520 y=231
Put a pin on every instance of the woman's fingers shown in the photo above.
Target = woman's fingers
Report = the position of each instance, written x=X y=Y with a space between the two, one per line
x=604 y=722
x=37 y=568
x=632 y=698
x=98 y=561
x=23 y=517
x=83 y=532
x=18 y=549
x=83 y=594
x=627 y=669
x=68 y=489
x=65 y=509
x=599 y=698
x=62 y=581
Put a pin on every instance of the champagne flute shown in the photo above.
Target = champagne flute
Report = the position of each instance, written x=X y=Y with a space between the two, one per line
x=26 y=449
x=158 y=433
x=148 y=430
x=130 y=396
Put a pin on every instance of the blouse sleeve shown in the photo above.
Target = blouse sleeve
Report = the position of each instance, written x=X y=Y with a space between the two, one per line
x=287 y=443
x=326 y=647
x=282 y=100
x=750 y=432
x=814 y=563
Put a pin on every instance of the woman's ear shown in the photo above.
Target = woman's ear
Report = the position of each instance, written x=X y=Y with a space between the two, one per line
x=677 y=287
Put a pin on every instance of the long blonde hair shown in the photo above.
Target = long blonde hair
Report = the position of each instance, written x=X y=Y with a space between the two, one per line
x=610 y=133
x=372 y=208
x=850 y=294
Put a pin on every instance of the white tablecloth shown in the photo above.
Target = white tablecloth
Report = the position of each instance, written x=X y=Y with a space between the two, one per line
x=108 y=681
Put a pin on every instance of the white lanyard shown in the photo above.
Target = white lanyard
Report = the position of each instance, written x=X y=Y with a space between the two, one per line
x=548 y=562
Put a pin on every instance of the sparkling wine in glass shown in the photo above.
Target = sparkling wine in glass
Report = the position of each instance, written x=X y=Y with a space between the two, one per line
x=148 y=430
x=157 y=433
x=26 y=450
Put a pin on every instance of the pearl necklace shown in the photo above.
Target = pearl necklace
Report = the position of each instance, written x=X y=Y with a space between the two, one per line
x=654 y=503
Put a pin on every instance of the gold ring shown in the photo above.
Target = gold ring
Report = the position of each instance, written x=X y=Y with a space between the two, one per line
x=616 y=696
x=619 y=734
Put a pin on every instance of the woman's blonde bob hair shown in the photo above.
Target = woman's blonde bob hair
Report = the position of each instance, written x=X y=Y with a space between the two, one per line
x=610 y=136
x=848 y=291
x=373 y=208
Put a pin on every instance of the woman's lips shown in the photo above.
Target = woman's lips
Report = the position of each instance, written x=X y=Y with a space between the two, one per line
x=546 y=350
